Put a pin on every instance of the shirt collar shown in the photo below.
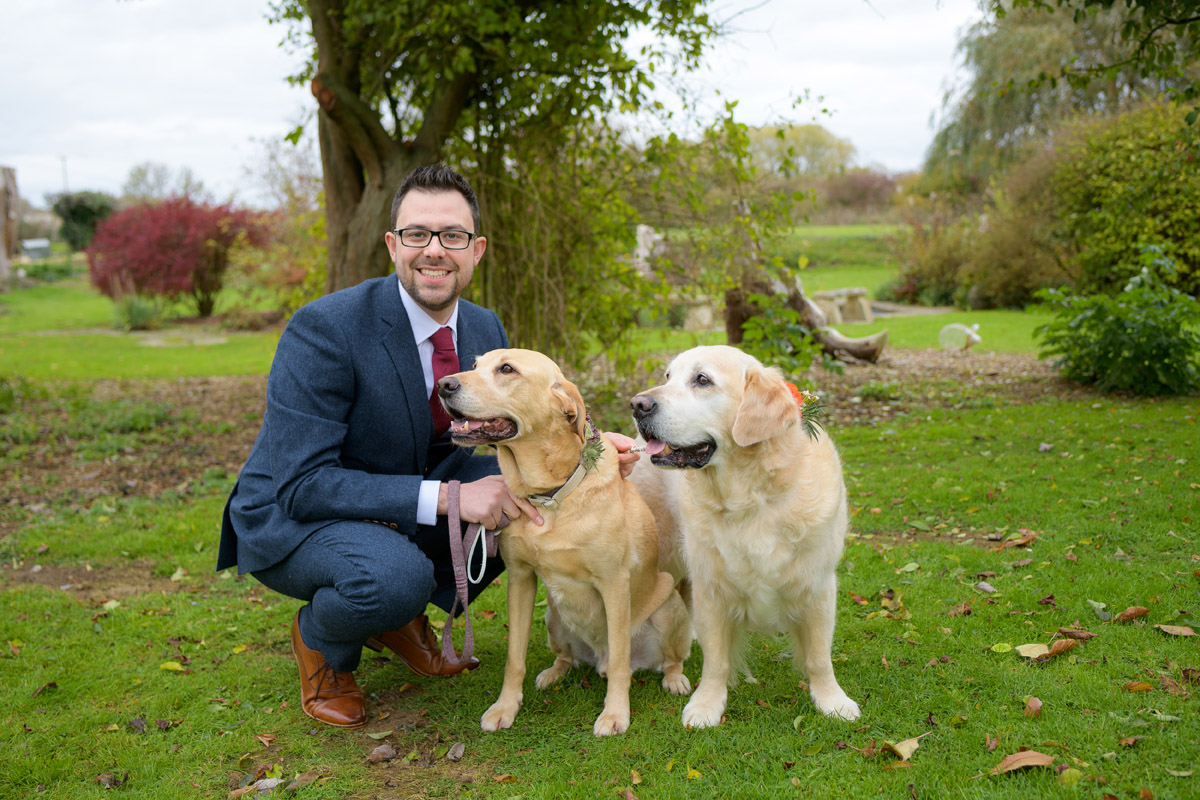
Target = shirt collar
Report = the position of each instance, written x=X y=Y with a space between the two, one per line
x=423 y=325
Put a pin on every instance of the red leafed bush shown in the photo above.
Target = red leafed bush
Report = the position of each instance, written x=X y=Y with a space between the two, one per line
x=173 y=248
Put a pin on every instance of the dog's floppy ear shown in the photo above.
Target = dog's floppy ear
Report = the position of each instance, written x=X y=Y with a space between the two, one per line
x=570 y=402
x=767 y=408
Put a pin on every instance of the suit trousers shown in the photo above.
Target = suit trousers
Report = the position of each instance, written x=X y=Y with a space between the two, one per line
x=361 y=578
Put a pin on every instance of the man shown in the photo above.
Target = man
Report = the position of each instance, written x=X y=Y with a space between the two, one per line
x=343 y=498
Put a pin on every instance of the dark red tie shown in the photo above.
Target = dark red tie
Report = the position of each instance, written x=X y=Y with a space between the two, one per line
x=445 y=362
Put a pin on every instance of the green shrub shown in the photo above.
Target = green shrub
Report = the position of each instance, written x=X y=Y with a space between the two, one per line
x=1015 y=252
x=137 y=312
x=1144 y=340
x=777 y=337
x=932 y=249
x=51 y=270
x=1125 y=182
x=80 y=213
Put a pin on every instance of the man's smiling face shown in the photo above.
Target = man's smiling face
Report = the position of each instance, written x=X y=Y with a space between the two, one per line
x=432 y=275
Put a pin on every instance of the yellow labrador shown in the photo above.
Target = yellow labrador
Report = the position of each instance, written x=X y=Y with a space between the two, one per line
x=597 y=551
x=763 y=509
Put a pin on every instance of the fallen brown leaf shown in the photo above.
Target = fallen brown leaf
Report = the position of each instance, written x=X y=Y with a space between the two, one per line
x=1033 y=708
x=992 y=742
x=1073 y=633
x=1133 y=612
x=1176 y=630
x=1018 y=542
x=963 y=609
x=385 y=752
x=1145 y=794
x=110 y=781
x=1129 y=741
x=1022 y=760
x=1138 y=686
x=1172 y=686
x=906 y=748
x=1059 y=647
x=305 y=779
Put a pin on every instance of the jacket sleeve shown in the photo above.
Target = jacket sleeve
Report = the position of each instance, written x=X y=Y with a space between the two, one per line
x=311 y=394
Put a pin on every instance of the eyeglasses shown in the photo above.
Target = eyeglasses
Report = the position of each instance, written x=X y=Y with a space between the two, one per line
x=421 y=237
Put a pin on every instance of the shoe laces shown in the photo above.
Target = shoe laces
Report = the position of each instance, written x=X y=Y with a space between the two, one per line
x=329 y=678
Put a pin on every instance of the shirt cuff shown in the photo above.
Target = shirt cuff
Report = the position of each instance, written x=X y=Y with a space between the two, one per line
x=427 y=502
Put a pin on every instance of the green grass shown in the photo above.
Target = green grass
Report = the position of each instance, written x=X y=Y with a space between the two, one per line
x=817 y=279
x=100 y=590
x=65 y=305
x=180 y=353
x=839 y=256
x=999 y=331
x=1114 y=494
x=870 y=230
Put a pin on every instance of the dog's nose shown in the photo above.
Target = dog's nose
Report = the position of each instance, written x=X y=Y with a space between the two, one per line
x=448 y=386
x=642 y=406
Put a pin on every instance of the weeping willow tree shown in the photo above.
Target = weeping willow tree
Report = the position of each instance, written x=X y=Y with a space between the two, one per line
x=1028 y=70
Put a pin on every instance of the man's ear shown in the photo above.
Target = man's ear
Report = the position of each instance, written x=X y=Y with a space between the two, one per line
x=569 y=401
x=767 y=408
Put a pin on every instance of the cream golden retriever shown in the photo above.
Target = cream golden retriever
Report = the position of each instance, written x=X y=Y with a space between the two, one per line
x=597 y=552
x=763 y=510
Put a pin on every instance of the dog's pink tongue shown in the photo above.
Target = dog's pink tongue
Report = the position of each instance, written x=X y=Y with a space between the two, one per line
x=654 y=446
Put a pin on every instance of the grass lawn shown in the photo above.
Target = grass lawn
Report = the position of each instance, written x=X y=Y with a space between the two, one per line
x=999 y=330
x=983 y=519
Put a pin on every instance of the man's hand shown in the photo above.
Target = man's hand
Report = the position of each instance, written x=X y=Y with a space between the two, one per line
x=485 y=500
x=625 y=459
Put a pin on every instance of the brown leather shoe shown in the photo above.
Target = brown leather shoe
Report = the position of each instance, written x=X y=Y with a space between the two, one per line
x=326 y=696
x=416 y=646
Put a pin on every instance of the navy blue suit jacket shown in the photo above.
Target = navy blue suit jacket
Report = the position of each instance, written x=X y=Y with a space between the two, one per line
x=347 y=427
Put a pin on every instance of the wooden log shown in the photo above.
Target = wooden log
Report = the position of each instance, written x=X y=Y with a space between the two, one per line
x=738 y=309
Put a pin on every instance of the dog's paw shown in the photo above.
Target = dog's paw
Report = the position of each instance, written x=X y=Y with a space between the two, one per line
x=551 y=675
x=677 y=683
x=499 y=717
x=837 y=705
x=703 y=711
x=610 y=723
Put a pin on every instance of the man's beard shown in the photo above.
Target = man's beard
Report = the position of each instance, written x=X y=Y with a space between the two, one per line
x=408 y=279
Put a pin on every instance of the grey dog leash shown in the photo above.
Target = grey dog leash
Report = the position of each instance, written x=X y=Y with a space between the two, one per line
x=458 y=557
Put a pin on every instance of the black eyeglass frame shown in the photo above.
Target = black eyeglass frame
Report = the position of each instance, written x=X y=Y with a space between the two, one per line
x=399 y=233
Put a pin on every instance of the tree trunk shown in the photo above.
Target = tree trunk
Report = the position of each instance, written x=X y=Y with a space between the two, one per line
x=363 y=165
x=9 y=202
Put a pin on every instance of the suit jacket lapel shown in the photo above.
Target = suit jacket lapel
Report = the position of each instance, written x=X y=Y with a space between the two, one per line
x=398 y=341
x=468 y=342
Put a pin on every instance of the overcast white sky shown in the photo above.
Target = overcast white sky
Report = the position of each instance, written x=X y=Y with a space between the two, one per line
x=93 y=88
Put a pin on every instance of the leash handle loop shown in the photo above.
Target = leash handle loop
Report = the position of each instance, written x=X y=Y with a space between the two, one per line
x=461 y=562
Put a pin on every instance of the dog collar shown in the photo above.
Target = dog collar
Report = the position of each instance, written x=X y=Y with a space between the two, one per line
x=593 y=450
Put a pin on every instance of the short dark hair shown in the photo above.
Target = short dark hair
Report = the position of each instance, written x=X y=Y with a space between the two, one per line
x=436 y=178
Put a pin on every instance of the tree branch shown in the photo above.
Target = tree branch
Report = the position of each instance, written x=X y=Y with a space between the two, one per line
x=360 y=123
x=441 y=115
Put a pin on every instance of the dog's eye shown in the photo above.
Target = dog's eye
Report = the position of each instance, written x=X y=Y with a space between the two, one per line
x=701 y=379
x=506 y=369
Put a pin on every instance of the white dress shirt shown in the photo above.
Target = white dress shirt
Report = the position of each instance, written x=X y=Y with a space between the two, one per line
x=423 y=327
